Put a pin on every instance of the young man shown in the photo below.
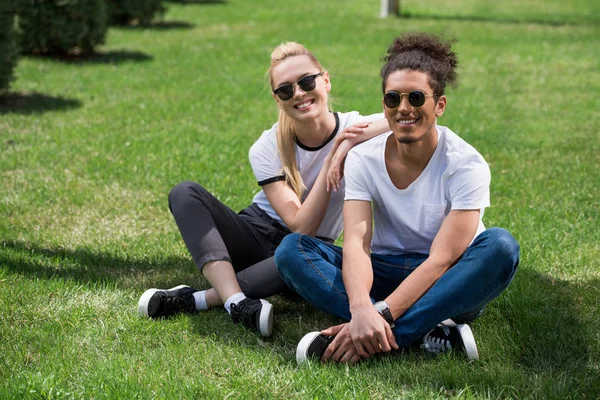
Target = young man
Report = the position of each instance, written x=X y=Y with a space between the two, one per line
x=430 y=257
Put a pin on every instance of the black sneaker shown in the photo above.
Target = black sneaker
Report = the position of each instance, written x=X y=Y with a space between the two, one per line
x=156 y=303
x=256 y=314
x=312 y=346
x=449 y=336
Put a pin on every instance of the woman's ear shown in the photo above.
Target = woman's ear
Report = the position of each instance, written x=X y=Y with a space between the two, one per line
x=276 y=99
x=327 y=81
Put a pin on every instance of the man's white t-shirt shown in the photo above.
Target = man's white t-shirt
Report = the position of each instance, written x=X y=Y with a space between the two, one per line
x=267 y=167
x=406 y=221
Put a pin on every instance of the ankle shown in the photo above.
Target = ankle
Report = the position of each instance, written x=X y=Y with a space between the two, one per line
x=234 y=299
x=213 y=299
x=200 y=300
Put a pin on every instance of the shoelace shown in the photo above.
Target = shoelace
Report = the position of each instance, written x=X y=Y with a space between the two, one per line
x=437 y=343
x=243 y=314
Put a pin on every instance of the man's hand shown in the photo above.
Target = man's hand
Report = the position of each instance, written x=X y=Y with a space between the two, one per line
x=370 y=333
x=341 y=349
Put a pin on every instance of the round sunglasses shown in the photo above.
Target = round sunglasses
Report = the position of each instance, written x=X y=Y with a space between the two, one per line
x=416 y=98
x=307 y=84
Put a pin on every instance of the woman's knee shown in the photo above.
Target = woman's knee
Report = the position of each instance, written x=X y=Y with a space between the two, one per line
x=183 y=192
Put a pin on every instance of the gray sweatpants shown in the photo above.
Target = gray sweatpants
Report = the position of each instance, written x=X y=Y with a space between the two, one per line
x=248 y=239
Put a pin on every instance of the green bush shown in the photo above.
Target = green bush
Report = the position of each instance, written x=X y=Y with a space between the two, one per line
x=141 y=11
x=61 y=26
x=9 y=50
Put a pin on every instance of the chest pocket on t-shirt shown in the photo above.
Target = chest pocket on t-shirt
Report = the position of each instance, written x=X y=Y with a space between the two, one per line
x=434 y=216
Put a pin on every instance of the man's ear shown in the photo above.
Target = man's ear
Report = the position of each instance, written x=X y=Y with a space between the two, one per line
x=440 y=106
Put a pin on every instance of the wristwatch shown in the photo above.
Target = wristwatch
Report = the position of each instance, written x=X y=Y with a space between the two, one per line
x=384 y=310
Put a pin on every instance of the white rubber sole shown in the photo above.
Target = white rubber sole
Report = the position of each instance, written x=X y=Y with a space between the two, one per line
x=303 y=346
x=266 y=318
x=469 y=341
x=145 y=299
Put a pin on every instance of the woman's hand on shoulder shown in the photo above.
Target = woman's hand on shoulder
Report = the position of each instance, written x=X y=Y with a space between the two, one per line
x=351 y=134
x=341 y=146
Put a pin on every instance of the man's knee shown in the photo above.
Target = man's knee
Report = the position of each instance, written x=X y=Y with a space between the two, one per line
x=504 y=243
x=505 y=248
x=286 y=254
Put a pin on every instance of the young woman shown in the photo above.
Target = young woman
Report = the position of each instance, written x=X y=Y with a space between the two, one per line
x=290 y=161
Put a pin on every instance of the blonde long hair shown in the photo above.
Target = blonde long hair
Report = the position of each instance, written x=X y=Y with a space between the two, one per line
x=286 y=134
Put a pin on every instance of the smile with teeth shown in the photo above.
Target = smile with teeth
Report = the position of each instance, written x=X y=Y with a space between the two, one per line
x=304 y=105
x=406 y=121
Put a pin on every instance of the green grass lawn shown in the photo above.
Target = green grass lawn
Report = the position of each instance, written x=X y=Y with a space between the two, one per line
x=89 y=150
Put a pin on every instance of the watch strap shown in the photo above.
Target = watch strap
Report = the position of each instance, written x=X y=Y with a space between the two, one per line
x=384 y=310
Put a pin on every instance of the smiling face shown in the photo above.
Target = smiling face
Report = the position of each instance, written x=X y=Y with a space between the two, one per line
x=412 y=124
x=303 y=105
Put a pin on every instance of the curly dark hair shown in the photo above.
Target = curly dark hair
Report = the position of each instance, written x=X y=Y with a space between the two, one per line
x=425 y=53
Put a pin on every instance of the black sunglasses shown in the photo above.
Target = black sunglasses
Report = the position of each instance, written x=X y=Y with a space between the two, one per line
x=307 y=84
x=416 y=98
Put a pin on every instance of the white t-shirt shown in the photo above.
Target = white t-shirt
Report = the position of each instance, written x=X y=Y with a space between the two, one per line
x=267 y=168
x=406 y=221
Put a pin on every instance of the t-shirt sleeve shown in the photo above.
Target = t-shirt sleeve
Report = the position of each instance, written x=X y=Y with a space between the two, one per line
x=469 y=185
x=356 y=181
x=265 y=161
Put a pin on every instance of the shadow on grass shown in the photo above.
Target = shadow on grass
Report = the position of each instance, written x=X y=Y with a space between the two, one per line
x=158 y=25
x=549 y=321
x=292 y=319
x=33 y=103
x=498 y=19
x=553 y=331
x=100 y=57
x=86 y=266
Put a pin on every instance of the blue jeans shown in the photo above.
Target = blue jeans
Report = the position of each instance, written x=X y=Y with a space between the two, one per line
x=313 y=268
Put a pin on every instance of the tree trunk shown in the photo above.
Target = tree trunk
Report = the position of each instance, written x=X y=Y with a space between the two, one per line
x=390 y=7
